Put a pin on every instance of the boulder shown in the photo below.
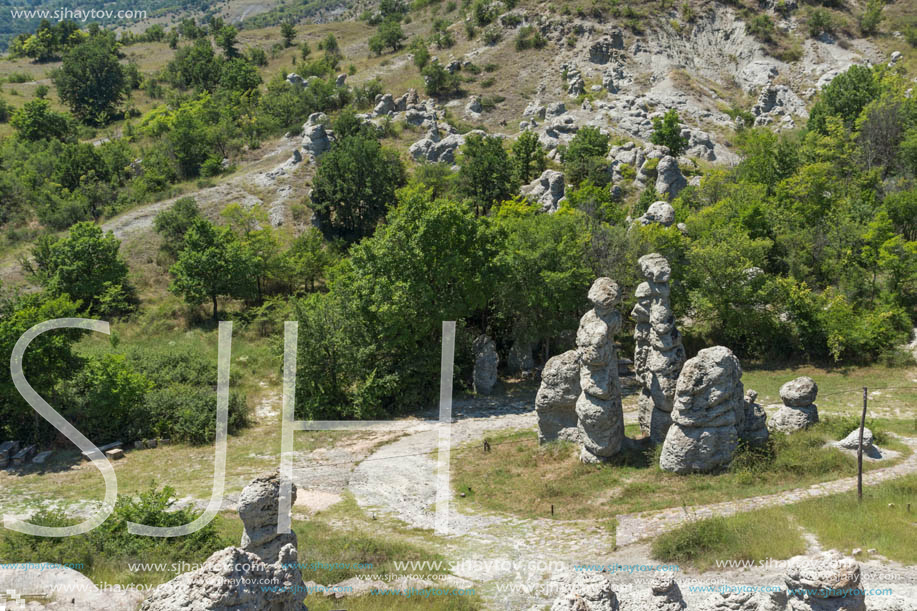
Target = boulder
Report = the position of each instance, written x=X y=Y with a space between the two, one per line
x=669 y=179
x=600 y=416
x=555 y=403
x=315 y=139
x=825 y=582
x=474 y=105
x=587 y=591
x=798 y=411
x=547 y=190
x=341 y=80
x=535 y=111
x=233 y=579
x=800 y=392
x=80 y=592
x=708 y=395
x=486 y=361
x=660 y=212
x=852 y=441
x=519 y=359
x=385 y=106
x=555 y=109
x=432 y=149
x=663 y=595
x=659 y=354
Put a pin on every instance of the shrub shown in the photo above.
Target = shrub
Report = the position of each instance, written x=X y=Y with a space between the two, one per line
x=493 y=34
x=761 y=27
x=820 y=21
x=187 y=413
x=872 y=16
x=667 y=132
x=910 y=34
x=109 y=547
x=529 y=38
x=439 y=81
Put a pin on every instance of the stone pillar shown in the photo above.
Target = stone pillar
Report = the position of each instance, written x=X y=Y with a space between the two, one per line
x=555 y=403
x=708 y=397
x=659 y=354
x=486 y=361
x=799 y=411
x=600 y=417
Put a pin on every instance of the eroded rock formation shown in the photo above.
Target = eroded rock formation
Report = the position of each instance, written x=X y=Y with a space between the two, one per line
x=589 y=591
x=659 y=354
x=261 y=575
x=708 y=395
x=826 y=582
x=599 y=413
x=555 y=403
x=798 y=411
x=486 y=361
x=752 y=423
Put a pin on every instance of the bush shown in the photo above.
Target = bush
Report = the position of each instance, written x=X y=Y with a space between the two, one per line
x=667 y=132
x=530 y=38
x=186 y=413
x=820 y=21
x=109 y=547
x=493 y=34
x=439 y=81
x=872 y=16
x=910 y=34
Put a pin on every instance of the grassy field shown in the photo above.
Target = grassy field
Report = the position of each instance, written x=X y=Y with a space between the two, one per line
x=523 y=478
x=742 y=537
x=881 y=522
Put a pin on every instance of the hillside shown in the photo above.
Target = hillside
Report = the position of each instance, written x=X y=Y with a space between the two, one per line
x=597 y=192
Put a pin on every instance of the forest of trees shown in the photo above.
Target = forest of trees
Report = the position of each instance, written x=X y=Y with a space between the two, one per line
x=806 y=250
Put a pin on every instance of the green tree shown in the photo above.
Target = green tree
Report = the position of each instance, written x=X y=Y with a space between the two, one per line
x=486 y=173
x=421 y=52
x=667 y=132
x=354 y=186
x=584 y=158
x=85 y=265
x=388 y=35
x=307 y=260
x=845 y=97
x=212 y=264
x=239 y=75
x=439 y=81
x=529 y=160
x=226 y=39
x=173 y=223
x=872 y=16
x=35 y=120
x=49 y=359
x=288 y=33
x=260 y=240
x=91 y=80
x=195 y=66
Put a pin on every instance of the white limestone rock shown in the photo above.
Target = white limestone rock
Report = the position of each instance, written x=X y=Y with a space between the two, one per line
x=703 y=434
x=547 y=190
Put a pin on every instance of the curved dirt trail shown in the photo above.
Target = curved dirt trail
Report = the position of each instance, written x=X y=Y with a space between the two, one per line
x=513 y=560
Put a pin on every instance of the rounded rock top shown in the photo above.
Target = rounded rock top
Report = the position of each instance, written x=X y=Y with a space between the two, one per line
x=655 y=267
x=605 y=293
x=800 y=392
x=661 y=212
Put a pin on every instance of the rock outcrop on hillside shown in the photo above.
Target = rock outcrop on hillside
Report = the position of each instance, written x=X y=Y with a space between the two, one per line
x=547 y=190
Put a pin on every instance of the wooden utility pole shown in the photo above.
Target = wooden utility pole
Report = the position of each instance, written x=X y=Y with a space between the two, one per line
x=860 y=451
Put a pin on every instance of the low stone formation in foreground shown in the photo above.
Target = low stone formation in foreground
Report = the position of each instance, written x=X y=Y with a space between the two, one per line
x=555 y=403
x=659 y=354
x=599 y=413
x=826 y=582
x=798 y=411
x=588 y=591
x=261 y=575
x=709 y=393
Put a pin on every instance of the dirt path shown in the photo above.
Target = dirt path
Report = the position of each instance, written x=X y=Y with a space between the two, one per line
x=517 y=562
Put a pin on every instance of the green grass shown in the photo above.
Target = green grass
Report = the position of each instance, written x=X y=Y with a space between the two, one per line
x=522 y=478
x=892 y=390
x=838 y=521
x=742 y=537
x=881 y=521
